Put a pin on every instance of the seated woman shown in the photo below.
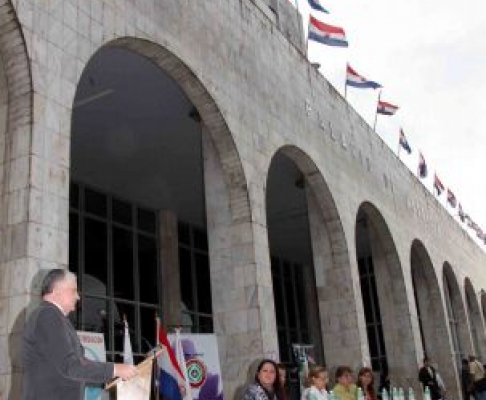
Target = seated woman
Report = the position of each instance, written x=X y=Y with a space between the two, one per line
x=266 y=385
x=345 y=389
x=366 y=383
x=316 y=384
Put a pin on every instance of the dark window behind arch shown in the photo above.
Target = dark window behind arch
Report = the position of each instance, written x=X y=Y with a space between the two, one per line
x=371 y=305
x=113 y=250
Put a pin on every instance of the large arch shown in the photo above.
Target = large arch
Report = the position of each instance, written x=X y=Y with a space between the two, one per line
x=15 y=138
x=386 y=306
x=475 y=320
x=238 y=315
x=431 y=315
x=336 y=297
x=456 y=314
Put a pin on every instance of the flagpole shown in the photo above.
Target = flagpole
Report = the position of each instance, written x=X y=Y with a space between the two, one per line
x=156 y=374
x=376 y=112
x=398 y=150
x=345 y=87
x=307 y=41
x=299 y=20
x=346 y=82
x=277 y=12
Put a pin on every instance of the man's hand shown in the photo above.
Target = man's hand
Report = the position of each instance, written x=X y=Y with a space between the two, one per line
x=125 y=371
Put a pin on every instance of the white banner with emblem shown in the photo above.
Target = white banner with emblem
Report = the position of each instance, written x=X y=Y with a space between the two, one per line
x=203 y=367
x=94 y=349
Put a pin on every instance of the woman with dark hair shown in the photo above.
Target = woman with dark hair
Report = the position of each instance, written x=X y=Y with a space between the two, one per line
x=366 y=383
x=266 y=385
x=345 y=389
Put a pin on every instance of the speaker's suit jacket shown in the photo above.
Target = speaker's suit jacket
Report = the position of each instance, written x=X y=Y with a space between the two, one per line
x=53 y=358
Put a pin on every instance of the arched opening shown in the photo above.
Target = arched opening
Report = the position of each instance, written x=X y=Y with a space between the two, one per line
x=431 y=317
x=313 y=289
x=158 y=204
x=385 y=301
x=291 y=259
x=475 y=320
x=456 y=315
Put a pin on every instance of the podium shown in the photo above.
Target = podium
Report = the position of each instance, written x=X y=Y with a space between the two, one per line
x=140 y=386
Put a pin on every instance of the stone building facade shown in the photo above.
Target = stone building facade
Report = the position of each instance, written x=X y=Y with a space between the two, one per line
x=266 y=118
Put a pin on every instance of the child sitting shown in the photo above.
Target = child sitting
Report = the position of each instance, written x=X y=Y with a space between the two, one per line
x=345 y=389
x=315 y=384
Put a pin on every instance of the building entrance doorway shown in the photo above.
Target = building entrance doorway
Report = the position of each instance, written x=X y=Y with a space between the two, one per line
x=137 y=202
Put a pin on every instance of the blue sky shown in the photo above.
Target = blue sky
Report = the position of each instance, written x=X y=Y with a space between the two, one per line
x=431 y=59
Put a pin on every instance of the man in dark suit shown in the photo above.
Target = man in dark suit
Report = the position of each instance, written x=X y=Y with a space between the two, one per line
x=428 y=378
x=52 y=355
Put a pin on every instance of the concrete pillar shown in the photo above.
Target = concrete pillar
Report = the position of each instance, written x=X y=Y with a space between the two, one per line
x=20 y=235
x=335 y=293
x=394 y=307
x=433 y=318
x=241 y=283
x=475 y=321
x=169 y=264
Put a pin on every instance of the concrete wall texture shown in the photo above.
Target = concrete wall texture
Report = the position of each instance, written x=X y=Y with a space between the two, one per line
x=245 y=72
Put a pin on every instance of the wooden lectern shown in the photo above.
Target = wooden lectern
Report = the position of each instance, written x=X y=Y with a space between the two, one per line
x=137 y=388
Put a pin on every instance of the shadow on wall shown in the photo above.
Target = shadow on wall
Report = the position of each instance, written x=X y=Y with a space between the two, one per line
x=15 y=337
x=250 y=378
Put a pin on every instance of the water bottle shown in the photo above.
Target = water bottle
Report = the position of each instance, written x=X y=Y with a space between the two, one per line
x=401 y=394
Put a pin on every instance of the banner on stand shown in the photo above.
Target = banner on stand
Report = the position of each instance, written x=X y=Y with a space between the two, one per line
x=202 y=363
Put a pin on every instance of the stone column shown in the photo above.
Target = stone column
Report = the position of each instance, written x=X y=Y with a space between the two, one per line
x=394 y=308
x=241 y=286
x=169 y=264
x=434 y=323
x=338 y=310
x=34 y=181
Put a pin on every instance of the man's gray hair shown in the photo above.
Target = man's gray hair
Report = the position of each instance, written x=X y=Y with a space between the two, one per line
x=54 y=276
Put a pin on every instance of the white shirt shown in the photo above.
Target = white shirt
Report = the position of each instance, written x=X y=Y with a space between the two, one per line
x=312 y=393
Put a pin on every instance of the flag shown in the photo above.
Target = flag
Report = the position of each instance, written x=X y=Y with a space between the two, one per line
x=316 y=5
x=127 y=345
x=422 y=167
x=326 y=34
x=404 y=142
x=460 y=212
x=182 y=363
x=471 y=224
x=451 y=199
x=356 y=80
x=439 y=187
x=386 y=108
x=171 y=378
